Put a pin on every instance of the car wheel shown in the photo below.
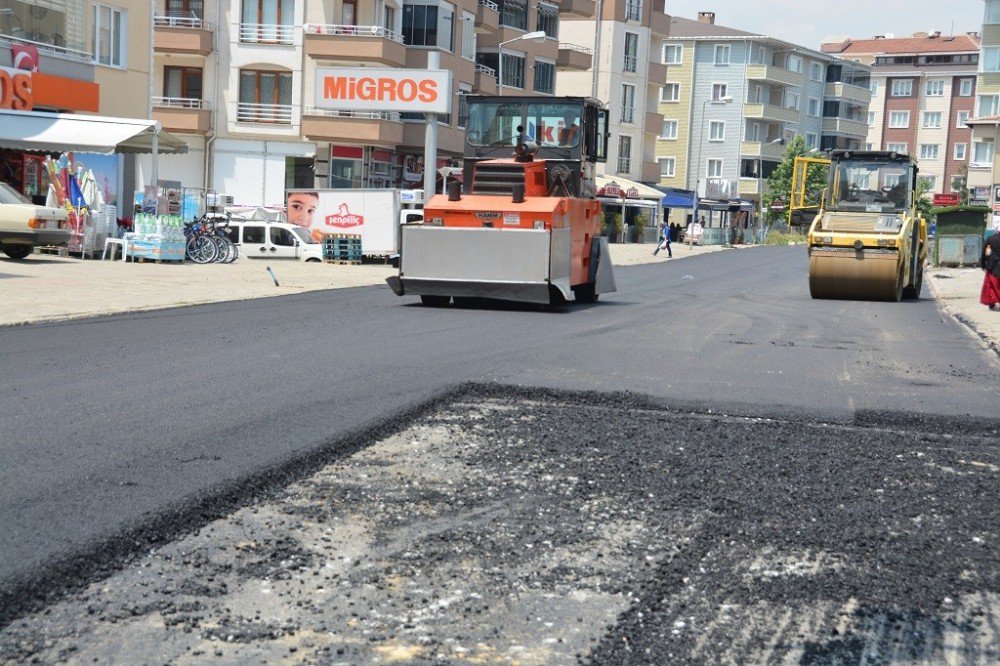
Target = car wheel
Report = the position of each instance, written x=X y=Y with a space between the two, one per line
x=16 y=251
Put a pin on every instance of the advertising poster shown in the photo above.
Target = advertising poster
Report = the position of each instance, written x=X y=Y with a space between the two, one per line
x=370 y=214
x=105 y=168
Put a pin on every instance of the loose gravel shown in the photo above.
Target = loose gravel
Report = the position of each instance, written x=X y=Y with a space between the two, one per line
x=558 y=530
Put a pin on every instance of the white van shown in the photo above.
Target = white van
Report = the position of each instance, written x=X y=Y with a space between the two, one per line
x=274 y=240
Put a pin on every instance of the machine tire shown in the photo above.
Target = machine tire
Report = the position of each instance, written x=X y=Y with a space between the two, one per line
x=897 y=296
x=17 y=251
x=912 y=292
x=435 y=301
x=586 y=293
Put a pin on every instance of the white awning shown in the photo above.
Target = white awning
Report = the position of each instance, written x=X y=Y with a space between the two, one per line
x=61 y=132
x=644 y=191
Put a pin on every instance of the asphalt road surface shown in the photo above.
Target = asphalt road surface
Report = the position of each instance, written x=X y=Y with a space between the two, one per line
x=121 y=432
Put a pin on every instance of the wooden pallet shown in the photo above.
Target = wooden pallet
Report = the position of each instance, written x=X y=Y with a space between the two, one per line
x=342 y=236
x=52 y=249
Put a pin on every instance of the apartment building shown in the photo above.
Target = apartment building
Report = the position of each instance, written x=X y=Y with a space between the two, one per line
x=237 y=78
x=626 y=74
x=984 y=162
x=922 y=93
x=733 y=99
x=89 y=59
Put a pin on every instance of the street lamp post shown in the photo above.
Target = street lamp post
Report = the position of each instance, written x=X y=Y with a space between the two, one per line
x=701 y=141
x=537 y=35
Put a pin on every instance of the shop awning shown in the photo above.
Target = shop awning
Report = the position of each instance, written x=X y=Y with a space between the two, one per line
x=61 y=132
x=676 y=198
x=641 y=191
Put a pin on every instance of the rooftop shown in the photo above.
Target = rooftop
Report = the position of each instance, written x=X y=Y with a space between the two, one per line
x=919 y=43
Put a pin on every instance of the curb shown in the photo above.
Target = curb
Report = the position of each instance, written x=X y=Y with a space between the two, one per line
x=963 y=320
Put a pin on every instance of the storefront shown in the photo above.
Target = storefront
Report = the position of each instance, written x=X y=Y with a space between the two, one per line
x=632 y=211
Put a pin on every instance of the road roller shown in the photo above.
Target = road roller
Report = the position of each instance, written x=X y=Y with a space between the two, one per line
x=524 y=224
x=867 y=240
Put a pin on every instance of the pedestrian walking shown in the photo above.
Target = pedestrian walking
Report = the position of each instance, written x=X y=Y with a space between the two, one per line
x=990 y=263
x=664 y=242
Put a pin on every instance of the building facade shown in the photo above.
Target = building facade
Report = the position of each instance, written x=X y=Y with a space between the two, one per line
x=922 y=95
x=984 y=163
x=732 y=100
x=626 y=75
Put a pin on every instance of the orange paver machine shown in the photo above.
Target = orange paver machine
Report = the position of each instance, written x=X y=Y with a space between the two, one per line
x=524 y=224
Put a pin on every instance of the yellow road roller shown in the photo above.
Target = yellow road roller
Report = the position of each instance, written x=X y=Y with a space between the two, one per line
x=867 y=240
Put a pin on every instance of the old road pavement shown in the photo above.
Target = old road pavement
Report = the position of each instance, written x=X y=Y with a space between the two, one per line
x=721 y=467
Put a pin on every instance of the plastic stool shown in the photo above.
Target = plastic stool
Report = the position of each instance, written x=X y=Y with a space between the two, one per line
x=114 y=242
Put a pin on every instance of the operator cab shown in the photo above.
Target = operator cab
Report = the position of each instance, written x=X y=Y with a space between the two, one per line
x=870 y=182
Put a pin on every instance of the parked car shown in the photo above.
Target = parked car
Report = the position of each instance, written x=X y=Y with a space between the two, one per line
x=23 y=225
x=274 y=240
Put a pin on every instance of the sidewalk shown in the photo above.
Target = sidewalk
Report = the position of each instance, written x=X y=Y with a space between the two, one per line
x=47 y=288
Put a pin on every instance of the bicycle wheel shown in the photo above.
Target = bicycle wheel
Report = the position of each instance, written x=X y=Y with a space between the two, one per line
x=202 y=250
x=222 y=249
x=234 y=251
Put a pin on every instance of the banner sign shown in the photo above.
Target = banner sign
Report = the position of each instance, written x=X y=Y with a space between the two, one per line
x=383 y=89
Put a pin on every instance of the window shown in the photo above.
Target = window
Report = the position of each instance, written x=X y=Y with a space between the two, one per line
x=270 y=21
x=935 y=88
x=814 y=108
x=896 y=147
x=722 y=54
x=545 y=76
x=669 y=130
x=965 y=88
x=253 y=234
x=348 y=12
x=992 y=12
x=670 y=92
x=871 y=119
x=463 y=104
x=982 y=153
x=902 y=87
x=628 y=103
x=792 y=101
x=109 y=36
x=282 y=237
x=719 y=91
x=899 y=119
x=930 y=181
x=513 y=70
x=186 y=8
x=932 y=119
x=429 y=25
x=182 y=82
x=668 y=166
x=990 y=60
x=265 y=96
x=873 y=84
x=928 y=151
x=717 y=130
x=794 y=63
x=624 y=154
x=514 y=14
x=987 y=105
x=672 y=54
x=547 y=19
x=961 y=118
x=812 y=140
x=468 y=35
x=960 y=151
x=714 y=169
x=869 y=146
x=957 y=183
x=633 y=10
x=631 y=62
x=815 y=71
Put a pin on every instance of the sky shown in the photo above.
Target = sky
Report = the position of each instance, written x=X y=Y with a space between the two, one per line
x=807 y=22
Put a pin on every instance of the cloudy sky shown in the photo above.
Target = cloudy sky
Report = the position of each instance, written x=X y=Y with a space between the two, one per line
x=807 y=23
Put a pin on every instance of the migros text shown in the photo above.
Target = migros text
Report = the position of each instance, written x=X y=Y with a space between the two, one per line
x=379 y=89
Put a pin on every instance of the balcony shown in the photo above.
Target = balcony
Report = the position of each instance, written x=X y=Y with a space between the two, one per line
x=354 y=42
x=267 y=34
x=774 y=74
x=574 y=57
x=485 y=82
x=270 y=114
x=657 y=74
x=181 y=34
x=845 y=126
x=182 y=114
x=650 y=172
x=770 y=150
x=771 y=112
x=653 y=123
x=659 y=20
x=487 y=17
x=365 y=127
x=578 y=8
x=848 y=93
x=749 y=186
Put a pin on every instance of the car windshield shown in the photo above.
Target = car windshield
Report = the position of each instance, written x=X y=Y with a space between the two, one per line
x=8 y=195
x=500 y=123
x=870 y=186
x=304 y=236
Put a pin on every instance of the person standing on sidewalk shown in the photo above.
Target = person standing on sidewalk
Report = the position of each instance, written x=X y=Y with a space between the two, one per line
x=664 y=242
x=990 y=263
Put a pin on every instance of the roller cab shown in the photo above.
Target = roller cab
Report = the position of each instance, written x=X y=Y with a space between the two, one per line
x=524 y=225
x=866 y=240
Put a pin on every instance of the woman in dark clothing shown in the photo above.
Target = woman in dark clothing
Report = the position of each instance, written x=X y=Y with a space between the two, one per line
x=990 y=263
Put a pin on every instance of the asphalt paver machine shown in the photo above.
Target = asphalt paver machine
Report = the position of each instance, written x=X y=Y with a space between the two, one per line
x=524 y=223
x=867 y=239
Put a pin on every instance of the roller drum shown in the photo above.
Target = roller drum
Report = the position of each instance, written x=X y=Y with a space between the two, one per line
x=867 y=274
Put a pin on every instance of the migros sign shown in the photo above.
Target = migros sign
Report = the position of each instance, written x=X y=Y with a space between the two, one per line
x=15 y=89
x=373 y=89
x=23 y=91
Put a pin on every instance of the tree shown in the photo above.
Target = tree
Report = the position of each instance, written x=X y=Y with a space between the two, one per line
x=961 y=184
x=779 y=183
x=923 y=203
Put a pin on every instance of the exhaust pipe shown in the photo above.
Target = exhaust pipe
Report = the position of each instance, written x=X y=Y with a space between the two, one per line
x=518 y=193
x=454 y=191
